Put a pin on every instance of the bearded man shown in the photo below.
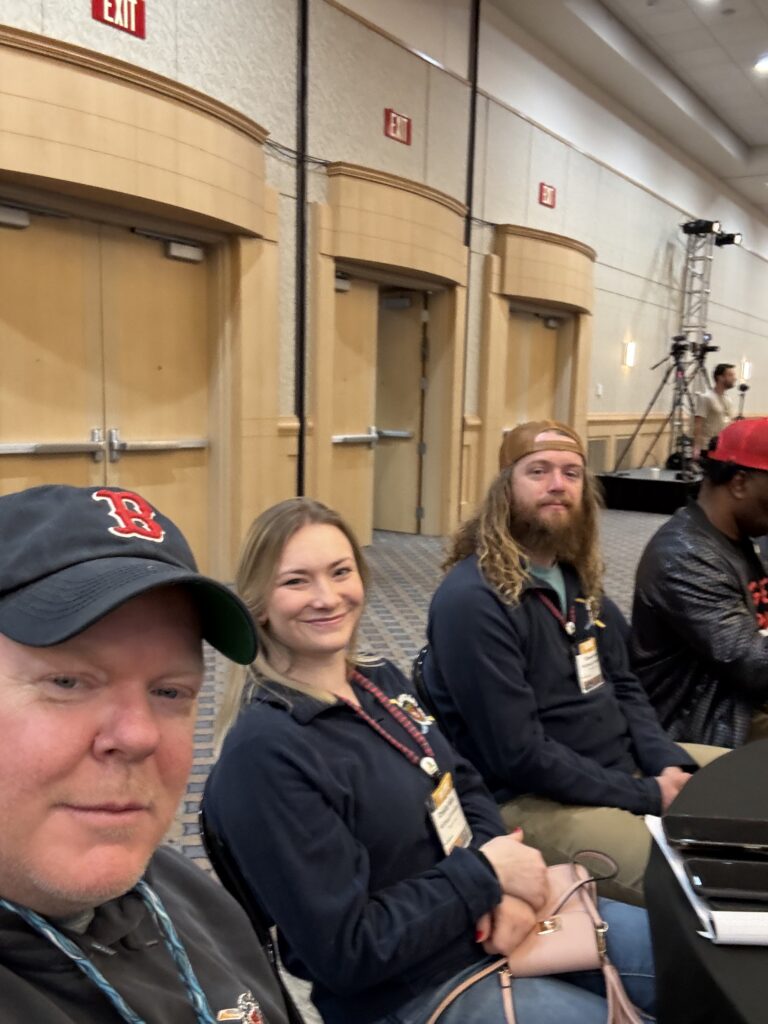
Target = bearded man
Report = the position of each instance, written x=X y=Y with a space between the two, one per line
x=527 y=666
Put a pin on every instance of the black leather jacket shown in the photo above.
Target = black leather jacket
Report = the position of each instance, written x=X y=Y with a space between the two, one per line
x=695 y=642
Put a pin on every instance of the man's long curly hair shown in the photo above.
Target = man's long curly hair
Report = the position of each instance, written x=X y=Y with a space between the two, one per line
x=504 y=563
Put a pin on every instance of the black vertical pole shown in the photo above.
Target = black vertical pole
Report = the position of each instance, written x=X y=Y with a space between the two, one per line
x=474 y=49
x=300 y=284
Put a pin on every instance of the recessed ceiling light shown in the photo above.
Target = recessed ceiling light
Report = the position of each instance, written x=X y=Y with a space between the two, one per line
x=761 y=65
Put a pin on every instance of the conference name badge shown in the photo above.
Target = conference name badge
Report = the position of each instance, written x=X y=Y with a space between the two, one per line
x=588 y=670
x=447 y=816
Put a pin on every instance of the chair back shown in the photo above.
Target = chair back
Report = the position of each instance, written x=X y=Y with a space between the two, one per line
x=229 y=875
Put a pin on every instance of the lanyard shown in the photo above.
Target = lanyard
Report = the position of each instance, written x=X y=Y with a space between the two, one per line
x=75 y=953
x=427 y=761
x=569 y=624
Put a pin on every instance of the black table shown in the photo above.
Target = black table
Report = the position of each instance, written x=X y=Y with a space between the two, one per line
x=699 y=982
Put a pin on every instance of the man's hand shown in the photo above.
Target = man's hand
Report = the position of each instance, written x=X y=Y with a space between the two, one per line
x=520 y=869
x=671 y=781
x=505 y=928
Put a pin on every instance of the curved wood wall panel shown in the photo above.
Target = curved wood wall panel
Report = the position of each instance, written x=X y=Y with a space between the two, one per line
x=382 y=218
x=87 y=121
x=542 y=267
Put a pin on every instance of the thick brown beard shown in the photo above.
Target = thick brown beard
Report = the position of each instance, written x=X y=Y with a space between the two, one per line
x=568 y=539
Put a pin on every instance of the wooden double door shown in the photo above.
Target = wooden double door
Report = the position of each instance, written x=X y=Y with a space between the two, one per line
x=105 y=366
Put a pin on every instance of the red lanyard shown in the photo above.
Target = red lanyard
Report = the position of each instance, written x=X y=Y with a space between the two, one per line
x=569 y=624
x=427 y=762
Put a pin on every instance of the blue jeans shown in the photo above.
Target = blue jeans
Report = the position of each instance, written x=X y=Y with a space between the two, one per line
x=565 y=999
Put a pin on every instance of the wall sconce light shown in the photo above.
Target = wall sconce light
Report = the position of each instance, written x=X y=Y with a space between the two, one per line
x=629 y=357
x=745 y=369
x=701 y=227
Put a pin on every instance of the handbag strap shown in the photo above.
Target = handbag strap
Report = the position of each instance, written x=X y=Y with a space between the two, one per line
x=620 y=1008
x=496 y=965
x=602 y=858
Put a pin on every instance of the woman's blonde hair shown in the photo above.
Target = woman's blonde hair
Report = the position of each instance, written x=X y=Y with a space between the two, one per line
x=503 y=562
x=254 y=580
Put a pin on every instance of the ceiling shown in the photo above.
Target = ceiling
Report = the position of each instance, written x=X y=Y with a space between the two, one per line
x=690 y=62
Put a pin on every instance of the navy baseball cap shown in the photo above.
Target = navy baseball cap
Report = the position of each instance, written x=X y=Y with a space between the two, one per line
x=71 y=555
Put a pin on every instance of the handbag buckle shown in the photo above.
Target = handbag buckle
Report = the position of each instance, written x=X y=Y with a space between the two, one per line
x=549 y=925
x=600 y=930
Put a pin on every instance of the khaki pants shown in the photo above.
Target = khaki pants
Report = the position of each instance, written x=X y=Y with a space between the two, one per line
x=758 y=730
x=561 y=830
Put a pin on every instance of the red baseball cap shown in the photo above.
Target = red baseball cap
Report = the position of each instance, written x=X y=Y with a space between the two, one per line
x=744 y=442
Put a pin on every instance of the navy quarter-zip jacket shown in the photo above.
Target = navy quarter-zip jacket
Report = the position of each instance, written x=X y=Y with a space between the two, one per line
x=329 y=826
x=503 y=680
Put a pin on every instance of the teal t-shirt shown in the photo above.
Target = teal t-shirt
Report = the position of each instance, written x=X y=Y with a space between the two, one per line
x=552 y=575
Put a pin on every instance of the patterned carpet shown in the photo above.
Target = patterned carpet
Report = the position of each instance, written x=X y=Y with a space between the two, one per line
x=405 y=572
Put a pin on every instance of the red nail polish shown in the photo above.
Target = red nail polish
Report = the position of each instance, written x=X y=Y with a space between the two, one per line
x=478 y=935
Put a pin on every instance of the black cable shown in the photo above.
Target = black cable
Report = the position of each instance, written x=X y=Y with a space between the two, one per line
x=300 y=349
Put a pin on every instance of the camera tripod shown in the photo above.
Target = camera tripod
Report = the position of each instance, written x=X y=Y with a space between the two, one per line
x=743 y=389
x=683 y=378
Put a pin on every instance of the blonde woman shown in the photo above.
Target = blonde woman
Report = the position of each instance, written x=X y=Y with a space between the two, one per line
x=328 y=793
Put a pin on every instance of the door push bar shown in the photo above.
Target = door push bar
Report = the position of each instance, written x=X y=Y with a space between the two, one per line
x=97 y=446
x=116 y=447
x=404 y=435
x=372 y=437
x=94 y=447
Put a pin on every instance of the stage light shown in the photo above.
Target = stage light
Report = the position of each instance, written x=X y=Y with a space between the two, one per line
x=701 y=227
x=728 y=239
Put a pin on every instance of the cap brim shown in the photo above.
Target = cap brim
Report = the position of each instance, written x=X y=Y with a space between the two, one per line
x=62 y=605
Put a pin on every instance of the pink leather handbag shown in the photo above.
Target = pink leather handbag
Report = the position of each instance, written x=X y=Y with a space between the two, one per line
x=569 y=937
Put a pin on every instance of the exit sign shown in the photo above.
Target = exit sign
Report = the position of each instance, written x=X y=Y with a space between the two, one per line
x=127 y=15
x=397 y=126
x=547 y=195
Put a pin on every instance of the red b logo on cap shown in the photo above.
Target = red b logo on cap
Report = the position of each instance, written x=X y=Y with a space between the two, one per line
x=135 y=516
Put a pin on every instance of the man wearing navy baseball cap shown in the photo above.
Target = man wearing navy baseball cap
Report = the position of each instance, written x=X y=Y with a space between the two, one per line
x=102 y=617
x=700 y=614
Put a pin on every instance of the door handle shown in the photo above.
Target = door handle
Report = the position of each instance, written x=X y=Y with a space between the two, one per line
x=369 y=439
x=94 y=447
x=397 y=435
x=117 y=447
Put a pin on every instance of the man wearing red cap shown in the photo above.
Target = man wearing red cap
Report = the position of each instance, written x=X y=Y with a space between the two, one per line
x=527 y=665
x=700 y=615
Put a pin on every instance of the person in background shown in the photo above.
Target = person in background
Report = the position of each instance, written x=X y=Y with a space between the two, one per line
x=330 y=795
x=102 y=618
x=714 y=410
x=528 y=670
x=700 y=613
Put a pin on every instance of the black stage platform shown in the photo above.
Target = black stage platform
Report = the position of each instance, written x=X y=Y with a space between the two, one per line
x=646 y=490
